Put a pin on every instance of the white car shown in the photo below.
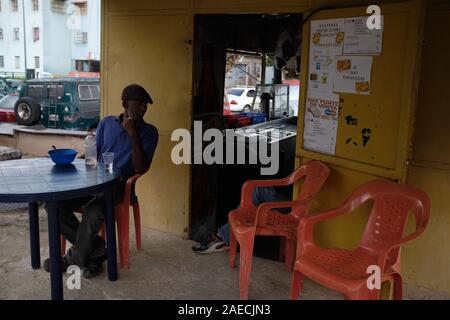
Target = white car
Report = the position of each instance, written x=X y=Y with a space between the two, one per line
x=241 y=99
x=45 y=75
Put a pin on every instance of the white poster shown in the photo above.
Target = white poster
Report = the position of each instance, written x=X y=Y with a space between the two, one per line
x=326 y=42
x=321 y=121
x=352 y=74
x=359 y=39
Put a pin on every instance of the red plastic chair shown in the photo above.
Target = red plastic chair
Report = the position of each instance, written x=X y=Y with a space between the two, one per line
x=123 y=222
x=346 y=270
x=248 y=220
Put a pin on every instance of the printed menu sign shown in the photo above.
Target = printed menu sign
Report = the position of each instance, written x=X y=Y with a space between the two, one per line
x=359 y=39
x=321 y=122
x=326 y=42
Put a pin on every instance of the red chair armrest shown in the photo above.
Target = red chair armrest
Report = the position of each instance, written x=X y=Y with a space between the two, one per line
x=306 y=227
x=384 y=253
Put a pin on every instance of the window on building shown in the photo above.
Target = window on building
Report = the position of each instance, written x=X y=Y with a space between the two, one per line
x=35 y=5
x=37 y=62
x=2 y=62
x=1 y=34
x=58 y=6
x=35 y=34
x=83 y=7
x=81 y=37
x=17 y=61
x=16 y=33
x=14 y=5
x=87 y=65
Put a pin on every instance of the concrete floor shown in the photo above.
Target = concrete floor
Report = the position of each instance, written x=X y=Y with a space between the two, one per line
x=166 y=268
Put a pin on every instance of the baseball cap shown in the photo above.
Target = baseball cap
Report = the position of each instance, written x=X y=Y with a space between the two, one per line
x=136 y=92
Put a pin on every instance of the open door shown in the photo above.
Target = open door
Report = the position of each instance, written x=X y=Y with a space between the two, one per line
x=361 y=122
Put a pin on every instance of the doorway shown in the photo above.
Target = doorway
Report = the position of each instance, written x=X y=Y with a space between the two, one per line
x=238 y=51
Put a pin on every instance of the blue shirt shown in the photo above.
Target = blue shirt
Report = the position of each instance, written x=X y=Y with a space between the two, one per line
x=112 y=137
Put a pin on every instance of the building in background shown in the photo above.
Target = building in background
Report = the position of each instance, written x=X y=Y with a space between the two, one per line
x=85 y=53
x=242 y=70
x=60 y=37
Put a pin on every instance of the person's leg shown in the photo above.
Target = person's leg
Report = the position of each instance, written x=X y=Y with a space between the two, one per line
x=91 y=221
x=216 y=241
x=224 y=233
x=68 y=220
x=90 y=248
x=69 y=225
x=259 y=196
x=269 y=194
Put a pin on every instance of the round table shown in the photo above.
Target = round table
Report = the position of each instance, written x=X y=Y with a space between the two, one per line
x=39 y=179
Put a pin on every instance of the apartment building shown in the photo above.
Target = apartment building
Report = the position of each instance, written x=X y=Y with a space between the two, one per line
x=54 y=34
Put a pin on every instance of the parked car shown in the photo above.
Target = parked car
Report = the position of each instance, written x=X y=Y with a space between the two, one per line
x=241 y=99
x=8 y=86
x=44 y=75
x=226 y=105
x=7 y=107
x=8 y=101
x=63 y=103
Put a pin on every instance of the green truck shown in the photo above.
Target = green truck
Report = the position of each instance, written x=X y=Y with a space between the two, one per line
x=60 y=103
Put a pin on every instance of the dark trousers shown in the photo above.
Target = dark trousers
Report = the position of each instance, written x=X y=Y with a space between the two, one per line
x=84 y=235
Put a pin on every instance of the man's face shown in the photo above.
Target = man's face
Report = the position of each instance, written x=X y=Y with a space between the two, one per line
x=135 y=109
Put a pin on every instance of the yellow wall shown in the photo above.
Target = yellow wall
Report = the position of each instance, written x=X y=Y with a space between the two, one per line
x=145 y=42
x=134 y=53
x=427 y=261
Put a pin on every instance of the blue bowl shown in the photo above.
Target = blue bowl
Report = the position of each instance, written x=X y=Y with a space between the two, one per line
x=63 y=156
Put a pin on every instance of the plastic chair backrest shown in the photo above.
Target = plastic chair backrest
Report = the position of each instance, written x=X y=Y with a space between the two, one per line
x=314 y=173
x=387 y=221
x=129 y=196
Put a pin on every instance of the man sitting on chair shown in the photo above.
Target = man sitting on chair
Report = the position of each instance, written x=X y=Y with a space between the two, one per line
x=133 y=142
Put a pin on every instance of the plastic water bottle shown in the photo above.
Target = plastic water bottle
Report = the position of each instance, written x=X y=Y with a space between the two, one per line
x=90 y=148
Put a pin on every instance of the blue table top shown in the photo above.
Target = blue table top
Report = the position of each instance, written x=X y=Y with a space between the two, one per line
x=39 y=179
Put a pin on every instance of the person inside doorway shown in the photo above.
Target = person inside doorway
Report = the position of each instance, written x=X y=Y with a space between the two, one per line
x=133 y=142
x=220 y=241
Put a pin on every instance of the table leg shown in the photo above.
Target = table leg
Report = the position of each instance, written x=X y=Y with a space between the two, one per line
x=33 y=213
x=54 y=242
x=111 y=237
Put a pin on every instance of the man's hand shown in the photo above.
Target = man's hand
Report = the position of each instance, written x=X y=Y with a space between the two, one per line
x=130 y=127
x=140 y=161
